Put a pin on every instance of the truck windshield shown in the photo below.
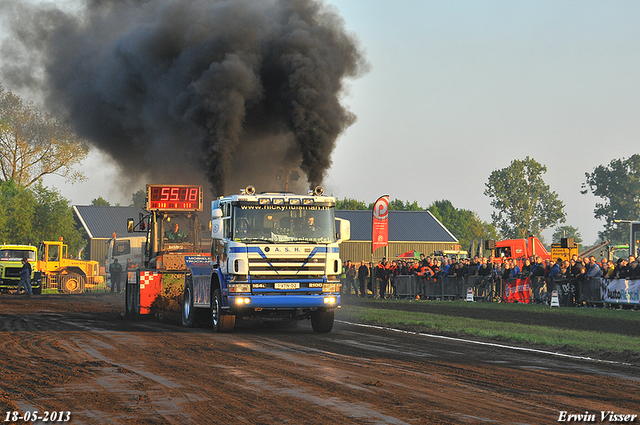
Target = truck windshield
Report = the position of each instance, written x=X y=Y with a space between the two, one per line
x=283 y=223
x=16 y=255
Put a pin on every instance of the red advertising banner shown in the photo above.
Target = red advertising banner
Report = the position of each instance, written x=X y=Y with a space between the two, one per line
x=517 y=291
x=380 y=226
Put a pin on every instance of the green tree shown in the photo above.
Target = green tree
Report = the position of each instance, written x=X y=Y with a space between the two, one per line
x=351 y=204
x=33 y=144
x=619 y=185
x=395 y=205
x=19 y=207
x=139 y=198
x=54 y=219
x=100 y=202
x=35 y=214
x=524 y=202
x=465 y=225
x=398 y=205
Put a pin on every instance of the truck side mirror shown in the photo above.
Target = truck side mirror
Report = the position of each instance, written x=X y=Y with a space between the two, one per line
x=343 y=228
x=130 y=225
x=216 y=224
x=216 y=229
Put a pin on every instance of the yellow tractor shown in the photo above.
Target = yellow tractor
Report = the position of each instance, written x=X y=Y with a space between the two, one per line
x=69 y=275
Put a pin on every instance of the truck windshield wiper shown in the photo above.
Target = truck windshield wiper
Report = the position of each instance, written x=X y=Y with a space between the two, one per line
x=257 y=240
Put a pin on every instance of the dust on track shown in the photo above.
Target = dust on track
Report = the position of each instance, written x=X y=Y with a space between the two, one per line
x=77 y=353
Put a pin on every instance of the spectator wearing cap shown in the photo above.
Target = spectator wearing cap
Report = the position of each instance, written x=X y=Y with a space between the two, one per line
x=555 y=269
x=575 y=266
x=622 y=269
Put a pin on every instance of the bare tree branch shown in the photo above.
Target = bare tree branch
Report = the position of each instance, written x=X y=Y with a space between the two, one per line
x=34 y=144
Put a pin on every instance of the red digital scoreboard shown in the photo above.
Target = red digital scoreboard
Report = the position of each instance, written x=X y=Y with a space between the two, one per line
x=174 y=197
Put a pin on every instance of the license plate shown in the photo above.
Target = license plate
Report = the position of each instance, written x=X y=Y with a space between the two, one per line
x=286 y=285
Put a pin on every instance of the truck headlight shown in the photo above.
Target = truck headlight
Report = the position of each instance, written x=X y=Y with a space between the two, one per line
x=243 y=300
x=239 y=287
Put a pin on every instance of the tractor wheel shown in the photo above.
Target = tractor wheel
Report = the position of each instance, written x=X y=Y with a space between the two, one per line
x=72 y=283
x=129 y=300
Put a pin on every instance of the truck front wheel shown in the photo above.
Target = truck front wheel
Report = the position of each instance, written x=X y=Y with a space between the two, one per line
x=221 y=322
x=322 y=320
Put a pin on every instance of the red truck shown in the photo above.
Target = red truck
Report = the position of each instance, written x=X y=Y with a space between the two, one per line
x=519 y=249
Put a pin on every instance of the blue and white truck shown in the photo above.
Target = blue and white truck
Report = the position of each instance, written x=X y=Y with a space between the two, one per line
x=274 y=256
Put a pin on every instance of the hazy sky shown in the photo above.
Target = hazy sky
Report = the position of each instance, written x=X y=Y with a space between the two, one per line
x=458 y=89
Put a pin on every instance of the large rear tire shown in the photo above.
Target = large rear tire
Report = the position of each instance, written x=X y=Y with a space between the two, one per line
x=221 y=322
x=130 y=299
x=72 y=284
x=322 y=320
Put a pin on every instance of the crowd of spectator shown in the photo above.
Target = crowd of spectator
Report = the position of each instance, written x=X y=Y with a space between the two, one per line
x=427 y=268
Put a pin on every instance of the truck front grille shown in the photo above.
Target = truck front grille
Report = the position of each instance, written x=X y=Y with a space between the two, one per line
x=12 y=272
x=287 y=267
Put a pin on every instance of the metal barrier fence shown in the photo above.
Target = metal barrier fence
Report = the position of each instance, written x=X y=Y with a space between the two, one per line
x=75 y=284
x=570 y=291
x=446 y=287
x=491 y=289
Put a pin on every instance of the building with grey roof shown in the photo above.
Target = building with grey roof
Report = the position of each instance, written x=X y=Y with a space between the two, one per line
x=101 y=223
x=408 y=230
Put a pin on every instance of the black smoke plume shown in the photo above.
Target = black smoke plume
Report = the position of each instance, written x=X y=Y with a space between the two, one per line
x=237 y=91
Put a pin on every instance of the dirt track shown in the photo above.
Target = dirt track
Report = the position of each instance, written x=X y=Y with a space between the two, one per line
x=77 y=354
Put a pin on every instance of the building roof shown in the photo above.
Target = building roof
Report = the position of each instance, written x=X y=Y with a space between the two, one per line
x=102 y=222
x=404 y=226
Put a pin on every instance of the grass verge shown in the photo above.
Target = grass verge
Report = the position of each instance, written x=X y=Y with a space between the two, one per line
x=544 y=337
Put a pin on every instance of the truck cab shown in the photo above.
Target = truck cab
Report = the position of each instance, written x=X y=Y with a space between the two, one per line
x=275 y=256
x=11 y=263
x=127 y=248
x=519 y=249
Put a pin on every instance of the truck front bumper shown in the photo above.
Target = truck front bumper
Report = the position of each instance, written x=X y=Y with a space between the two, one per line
x=283 y=301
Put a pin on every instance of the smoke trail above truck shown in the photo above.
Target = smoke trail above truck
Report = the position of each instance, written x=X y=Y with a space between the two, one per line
x=235 y=90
